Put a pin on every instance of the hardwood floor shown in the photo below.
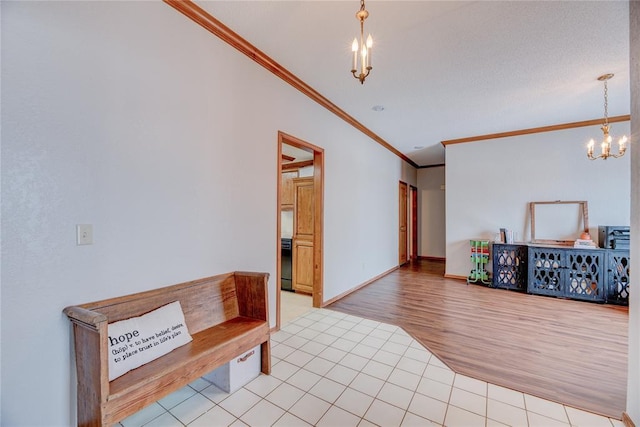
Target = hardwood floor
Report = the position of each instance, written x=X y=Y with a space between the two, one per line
x=571 y=352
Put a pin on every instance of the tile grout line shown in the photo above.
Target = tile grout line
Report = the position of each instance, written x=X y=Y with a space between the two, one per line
x=323 y=314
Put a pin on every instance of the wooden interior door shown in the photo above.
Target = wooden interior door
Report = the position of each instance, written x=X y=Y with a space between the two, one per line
x=414 y=222
x=402 y=240
x=303 y=235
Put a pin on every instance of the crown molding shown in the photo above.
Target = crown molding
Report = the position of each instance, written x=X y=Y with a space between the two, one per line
x=226 y=34
x=536 y=130
x=438 y=165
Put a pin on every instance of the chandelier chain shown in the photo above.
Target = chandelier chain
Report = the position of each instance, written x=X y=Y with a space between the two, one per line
x=361 y=5
x=606 y=104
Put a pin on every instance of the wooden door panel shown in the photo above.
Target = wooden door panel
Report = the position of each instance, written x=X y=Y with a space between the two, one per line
x=287 y=197
x=303 y=270
x=303 y=235
x=304 y=208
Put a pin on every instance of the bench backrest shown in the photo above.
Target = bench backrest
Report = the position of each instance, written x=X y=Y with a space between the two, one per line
x=205 y=302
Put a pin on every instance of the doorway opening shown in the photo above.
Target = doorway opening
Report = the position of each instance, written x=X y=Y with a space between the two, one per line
x=299 y=265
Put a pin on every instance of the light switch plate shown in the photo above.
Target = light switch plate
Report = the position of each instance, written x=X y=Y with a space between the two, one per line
x=84 y=234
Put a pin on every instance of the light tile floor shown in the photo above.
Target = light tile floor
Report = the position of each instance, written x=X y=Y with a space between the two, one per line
x=335 y=370
x=293 y=305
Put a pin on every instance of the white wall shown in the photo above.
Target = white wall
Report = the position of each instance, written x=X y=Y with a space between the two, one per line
x=0 y=233
x=490 y=183
x=305 y=171
x=286 y=224
x=633 y=374
x=431 y=212
x=128 y=116
x=351 y=196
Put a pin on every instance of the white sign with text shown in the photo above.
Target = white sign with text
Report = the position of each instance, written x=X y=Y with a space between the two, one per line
x=139 y=340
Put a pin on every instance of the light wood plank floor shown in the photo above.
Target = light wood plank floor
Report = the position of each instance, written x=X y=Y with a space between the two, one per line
x=571 y=352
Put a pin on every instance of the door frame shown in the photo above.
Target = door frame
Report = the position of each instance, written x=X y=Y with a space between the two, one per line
x=318 y=219
x=403 y=185
x=413 y=208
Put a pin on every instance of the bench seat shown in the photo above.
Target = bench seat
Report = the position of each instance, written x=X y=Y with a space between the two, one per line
x=213 y=346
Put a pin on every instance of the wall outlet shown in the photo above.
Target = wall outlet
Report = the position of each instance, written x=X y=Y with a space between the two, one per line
x=84 y=234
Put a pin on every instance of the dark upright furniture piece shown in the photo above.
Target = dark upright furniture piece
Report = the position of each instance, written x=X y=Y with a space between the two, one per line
x=510 y=266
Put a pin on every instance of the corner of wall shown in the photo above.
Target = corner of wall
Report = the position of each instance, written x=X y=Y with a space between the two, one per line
x=633 y=372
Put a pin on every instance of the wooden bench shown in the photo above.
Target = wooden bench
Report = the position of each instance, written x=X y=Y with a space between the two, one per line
x=226 y=315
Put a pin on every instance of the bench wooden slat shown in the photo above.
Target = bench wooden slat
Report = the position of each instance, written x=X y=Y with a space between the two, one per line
x=204 y=302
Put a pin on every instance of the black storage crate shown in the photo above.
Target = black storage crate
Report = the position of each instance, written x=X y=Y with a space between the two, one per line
x=509 y=266
x=618 y=277
x=585 y=275
x=545 y=271
x=567 y=273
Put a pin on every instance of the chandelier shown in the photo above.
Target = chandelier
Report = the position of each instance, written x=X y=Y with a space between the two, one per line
x=606 y=140
x=362 y=51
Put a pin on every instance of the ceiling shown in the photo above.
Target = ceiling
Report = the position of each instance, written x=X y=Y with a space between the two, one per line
x=298 y=154
x=449 y=69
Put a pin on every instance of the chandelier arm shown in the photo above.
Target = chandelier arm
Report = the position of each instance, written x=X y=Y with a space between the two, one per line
x=620 y=153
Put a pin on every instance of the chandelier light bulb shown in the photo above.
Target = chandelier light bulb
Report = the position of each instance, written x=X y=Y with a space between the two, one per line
x=354 y=49
x=622 y=142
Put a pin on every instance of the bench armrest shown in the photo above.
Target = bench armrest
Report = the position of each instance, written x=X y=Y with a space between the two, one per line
x=252 y=294
x=87 y=317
